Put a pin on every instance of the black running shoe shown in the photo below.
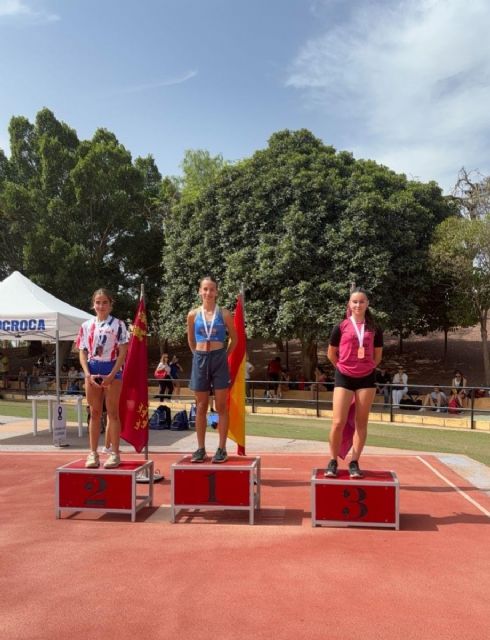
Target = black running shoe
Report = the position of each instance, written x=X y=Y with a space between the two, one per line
x=354 y=470
x=199 y=456
x=331 y=470
x=220 y=456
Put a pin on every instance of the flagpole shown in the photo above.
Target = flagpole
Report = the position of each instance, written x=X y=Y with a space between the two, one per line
x=144 y=477
x=142 y=297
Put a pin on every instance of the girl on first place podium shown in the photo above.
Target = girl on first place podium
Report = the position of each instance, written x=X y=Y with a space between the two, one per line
x=103 y=343
x=355 y=350
x=207 y=327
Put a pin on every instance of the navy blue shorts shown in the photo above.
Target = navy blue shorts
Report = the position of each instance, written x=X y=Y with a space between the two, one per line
x=103 y=368
x=210 y=369
x=353 y=384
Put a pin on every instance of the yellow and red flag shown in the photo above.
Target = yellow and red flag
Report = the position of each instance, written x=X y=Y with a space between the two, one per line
x=133 y=406
x=236 y=398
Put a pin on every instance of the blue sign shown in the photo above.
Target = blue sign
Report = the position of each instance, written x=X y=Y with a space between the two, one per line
x=17 y=326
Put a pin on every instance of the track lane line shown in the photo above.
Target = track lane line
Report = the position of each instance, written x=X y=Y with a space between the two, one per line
x=460 y=491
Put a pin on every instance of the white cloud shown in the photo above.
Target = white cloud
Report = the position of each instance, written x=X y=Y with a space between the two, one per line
x=21 y=10
x=410 y=81
x=161 y=83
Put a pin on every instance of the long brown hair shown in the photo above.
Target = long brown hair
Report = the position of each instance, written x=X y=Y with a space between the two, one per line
x=369 y=318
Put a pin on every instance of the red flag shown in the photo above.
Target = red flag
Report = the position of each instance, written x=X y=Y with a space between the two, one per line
x=133 y=406
x=236 y=397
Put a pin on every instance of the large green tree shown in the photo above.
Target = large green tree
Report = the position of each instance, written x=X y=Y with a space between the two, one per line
x=296 y=224
x=77 y=215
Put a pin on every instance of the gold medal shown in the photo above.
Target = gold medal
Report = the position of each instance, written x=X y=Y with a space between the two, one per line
x=360 y=353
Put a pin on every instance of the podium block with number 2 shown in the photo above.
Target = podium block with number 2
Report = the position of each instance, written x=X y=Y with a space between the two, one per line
x=233 y=485
x=371 y=501
x=109 y=490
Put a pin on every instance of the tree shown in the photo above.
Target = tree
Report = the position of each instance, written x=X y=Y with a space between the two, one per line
x=296 y=223
x=199 y=169
x=462 y=248
x=76 y=215
x=472 y=192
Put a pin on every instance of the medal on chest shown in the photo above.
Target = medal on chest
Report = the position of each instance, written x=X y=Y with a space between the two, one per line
x=208 y=331
x=360 y=336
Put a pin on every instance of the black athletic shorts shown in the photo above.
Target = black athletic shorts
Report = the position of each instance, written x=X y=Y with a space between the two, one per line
x=353 y=384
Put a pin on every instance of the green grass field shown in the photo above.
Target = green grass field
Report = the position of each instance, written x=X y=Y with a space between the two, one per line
x=474 y=444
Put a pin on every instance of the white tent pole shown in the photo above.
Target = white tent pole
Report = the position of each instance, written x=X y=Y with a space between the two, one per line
x=57 y=364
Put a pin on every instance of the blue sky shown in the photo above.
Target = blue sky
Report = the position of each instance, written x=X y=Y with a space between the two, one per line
x=404 y=82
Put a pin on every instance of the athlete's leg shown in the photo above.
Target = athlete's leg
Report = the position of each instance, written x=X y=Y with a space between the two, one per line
x=112 y=396
x=95 y=399
x=364 y=401
x=221 y=406
x=342 y=399
x=202 y=399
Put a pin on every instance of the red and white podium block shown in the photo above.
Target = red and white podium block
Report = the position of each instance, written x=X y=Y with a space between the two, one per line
x=371 y=501
x=108 y=490
x=234 y=484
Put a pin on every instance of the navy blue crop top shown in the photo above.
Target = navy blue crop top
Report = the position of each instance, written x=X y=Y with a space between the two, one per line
x=218 y=334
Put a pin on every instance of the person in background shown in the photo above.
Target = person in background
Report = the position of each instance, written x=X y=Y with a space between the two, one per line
x=72 y=380
x=320 y=381
x=175 y=371
x=274 y=369
x=436 y=399
x=249 y=369
x=383 y=380
x=4 y=369
x=22 y=377
x=400 y=386
x=459 y=382
x=455 y=404
x=163 y=373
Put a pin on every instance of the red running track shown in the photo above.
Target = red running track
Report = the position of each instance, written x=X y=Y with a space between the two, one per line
x=215 y=576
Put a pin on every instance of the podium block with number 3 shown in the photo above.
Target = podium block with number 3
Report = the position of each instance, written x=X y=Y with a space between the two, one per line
x=233 y=485
x=109 y=490
x=371 y=501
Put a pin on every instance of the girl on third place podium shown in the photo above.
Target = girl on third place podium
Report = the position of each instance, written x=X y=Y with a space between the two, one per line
x=103 y=343
x=207 y=327
x=355 y=350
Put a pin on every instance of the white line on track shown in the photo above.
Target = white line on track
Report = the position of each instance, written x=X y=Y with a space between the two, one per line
x=462 y=493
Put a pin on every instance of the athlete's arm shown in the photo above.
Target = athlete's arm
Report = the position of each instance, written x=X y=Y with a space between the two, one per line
x=191 y=338
x=333 y=355
x=230 y=326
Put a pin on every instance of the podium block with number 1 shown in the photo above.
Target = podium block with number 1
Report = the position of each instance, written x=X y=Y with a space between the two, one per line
x=234 y=485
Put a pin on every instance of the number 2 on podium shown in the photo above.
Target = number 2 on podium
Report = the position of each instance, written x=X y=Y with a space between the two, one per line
x=96 y=487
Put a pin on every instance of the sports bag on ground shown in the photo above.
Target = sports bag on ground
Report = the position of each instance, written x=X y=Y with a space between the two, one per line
x=180 y=421
x=161 y=418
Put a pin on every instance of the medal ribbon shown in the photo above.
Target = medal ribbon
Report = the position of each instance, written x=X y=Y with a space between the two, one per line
x=210 y=330
x=101 y=337
x=360 y=334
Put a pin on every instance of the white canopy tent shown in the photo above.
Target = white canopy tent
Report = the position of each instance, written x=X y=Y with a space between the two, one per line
x=27 y=312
